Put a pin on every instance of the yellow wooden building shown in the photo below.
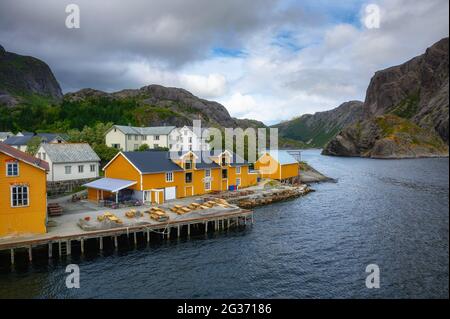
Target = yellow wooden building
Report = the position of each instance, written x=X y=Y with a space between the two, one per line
x=155 y=176
x=23 y=193
x=278 y=164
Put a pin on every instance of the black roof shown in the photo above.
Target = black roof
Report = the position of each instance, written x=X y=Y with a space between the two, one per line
x=152 y=161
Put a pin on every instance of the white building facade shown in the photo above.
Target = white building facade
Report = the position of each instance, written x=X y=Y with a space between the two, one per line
x=130 y=138
x=69 y=162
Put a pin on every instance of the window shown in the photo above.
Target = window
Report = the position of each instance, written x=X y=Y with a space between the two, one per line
x=190 y=147
x=169 y=177
x=80 y=168
x=188 y=165
x=144 y=137
x=68 y=169
x=93 y=167
x=185 y=132
x=170 y=146
x=238 y=182
x=12 y=169
x=44 y=156
x=208 y=173
x=188 y=178
x=136 y=137
x=224 y=160
x=19 y=196
x=190 y=140
x=238 y=169
x=207 y=186
x=129 y=137
x=156 y=137
x=116 y=146
x=115 y=130
x=224 y=173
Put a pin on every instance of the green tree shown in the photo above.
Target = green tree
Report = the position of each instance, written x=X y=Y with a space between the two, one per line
x=33 y=145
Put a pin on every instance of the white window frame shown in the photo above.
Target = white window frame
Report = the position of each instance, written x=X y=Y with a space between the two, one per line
x=93 y=168
x=238 y=170
x=238 y=182
x=207 y=186
x=208 y=173
x=68 y=169
x=156 y=138
x=7 y=169
x=80 y=169
x=169 y=180
x=22 y=187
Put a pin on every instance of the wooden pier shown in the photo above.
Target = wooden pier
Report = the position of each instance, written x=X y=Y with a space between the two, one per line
x=167 y=230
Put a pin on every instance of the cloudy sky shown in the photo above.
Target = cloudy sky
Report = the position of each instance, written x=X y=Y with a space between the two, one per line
x=269 y=60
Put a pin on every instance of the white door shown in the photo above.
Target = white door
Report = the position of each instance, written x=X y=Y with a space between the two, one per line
x=170 y=193
x=147 y=197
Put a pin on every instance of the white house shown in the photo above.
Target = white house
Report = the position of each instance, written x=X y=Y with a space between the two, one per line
x=69 y=161
x=130 y=138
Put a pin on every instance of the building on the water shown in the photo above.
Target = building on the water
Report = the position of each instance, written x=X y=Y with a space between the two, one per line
x=278 y=164
x=157 y=176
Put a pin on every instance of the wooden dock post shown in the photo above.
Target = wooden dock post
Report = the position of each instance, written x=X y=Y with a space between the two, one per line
x=50 y=250
x=148 y=235
x=82 y=245
x=189 y=229
x=68 y=248
x=178 y=231
x=101 y=243
x=115 y=242
x=30 y=253
x=135 y=238
x=59 y=249
x=12 y=256
x=206 y=227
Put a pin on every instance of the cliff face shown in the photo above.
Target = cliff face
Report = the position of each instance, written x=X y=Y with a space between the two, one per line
x=413 y=95
x=23 y=76
x=317 y=129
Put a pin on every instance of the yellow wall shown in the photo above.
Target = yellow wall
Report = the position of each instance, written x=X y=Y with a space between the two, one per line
x=289 y=170
x=270 y=168
x=23 y=220
x=122 y=169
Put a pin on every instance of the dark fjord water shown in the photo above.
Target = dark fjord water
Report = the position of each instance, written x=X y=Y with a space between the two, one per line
x=391 y=213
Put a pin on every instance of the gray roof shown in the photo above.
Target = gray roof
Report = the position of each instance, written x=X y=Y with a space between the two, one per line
x=110 y=184
x=152 y=161
x=153 y=130
x=23 y=140
x=4 y=135
x=70 y=153
x=283 y=157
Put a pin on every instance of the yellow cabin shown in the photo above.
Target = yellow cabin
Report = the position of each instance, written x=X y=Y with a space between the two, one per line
x=278 y=164
x=155 y=176
x=23 y=193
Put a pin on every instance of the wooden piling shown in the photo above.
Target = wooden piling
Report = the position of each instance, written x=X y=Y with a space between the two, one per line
x=101 y=243
x=68 y=248
x=82 y=245
x=30 y=253
x=50 y=250
x=12 y=256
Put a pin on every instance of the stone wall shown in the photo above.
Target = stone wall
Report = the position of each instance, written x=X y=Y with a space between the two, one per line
x=64 y=187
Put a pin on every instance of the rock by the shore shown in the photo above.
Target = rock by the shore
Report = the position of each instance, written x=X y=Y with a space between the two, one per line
x=310 y=175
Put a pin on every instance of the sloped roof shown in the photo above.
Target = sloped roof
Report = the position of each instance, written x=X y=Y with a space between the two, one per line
x=152 y=161
x=18 y=140
x=110 y=184
x=282 y=157
x=70 y=152
x=11 y=151
x=152 y=130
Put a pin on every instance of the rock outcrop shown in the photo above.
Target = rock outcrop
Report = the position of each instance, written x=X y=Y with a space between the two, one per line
x=24 y=76
x=405 y=111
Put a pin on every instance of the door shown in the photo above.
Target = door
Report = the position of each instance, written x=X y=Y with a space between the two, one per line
x=147 y=197
x=170 y=193
x=189 y=191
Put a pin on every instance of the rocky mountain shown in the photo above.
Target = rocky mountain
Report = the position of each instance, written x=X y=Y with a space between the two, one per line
x=315 y=130
x=155 y=105
x=22 y=77
x=405 y=111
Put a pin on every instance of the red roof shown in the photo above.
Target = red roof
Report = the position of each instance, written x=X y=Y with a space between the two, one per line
x=13 y=152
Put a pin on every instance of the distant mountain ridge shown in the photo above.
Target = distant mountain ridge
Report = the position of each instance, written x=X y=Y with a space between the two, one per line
x=315 y=130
